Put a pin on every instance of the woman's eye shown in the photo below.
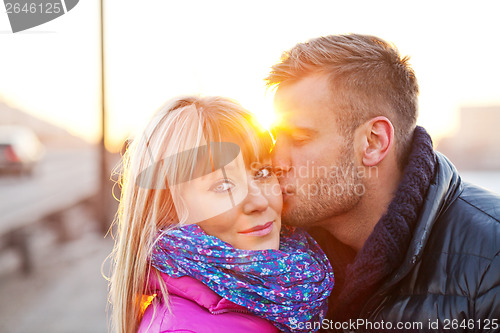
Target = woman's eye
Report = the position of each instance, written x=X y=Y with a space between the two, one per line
x=222 y=186
x=264 y=172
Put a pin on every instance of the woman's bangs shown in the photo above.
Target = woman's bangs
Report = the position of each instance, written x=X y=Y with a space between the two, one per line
x=255 y=144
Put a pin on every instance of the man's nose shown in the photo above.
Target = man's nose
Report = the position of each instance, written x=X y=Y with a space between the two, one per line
x=255 y=201
x=281 y=158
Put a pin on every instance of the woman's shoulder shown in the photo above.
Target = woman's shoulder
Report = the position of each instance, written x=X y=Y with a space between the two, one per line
x=199 y=311
x=186 y=315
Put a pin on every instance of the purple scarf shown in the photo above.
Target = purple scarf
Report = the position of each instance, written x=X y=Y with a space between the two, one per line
x=286 y=286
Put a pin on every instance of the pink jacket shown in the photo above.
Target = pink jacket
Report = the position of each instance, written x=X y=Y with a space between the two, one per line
x=196 y=308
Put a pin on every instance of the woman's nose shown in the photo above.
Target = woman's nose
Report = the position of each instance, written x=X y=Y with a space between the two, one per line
x=255 y=200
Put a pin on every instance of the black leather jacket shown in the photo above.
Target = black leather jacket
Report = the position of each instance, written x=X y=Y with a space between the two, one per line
x=450 y=278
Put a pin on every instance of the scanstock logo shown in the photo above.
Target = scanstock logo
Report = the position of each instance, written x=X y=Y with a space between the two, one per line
x=26 y=14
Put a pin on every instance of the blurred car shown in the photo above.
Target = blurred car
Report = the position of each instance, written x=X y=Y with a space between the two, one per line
x=20 y=150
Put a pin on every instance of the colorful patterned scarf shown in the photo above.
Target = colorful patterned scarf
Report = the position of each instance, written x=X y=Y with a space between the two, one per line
x=289 y=286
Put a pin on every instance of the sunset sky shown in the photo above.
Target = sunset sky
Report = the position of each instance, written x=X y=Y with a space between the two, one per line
x=158 y=49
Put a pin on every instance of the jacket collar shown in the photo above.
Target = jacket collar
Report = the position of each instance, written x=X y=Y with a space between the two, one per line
x=194 y=290
x=385 y=249
x=443 y=190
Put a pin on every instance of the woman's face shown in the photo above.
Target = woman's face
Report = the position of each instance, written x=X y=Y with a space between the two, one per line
x=239 y=205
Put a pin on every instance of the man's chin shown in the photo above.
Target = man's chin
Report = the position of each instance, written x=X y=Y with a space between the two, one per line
x=304 y=215
x=295 y=219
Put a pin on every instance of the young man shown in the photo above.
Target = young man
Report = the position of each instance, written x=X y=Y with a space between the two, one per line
x=412 y=246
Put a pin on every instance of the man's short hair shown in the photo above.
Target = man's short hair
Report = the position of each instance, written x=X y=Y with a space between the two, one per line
x=368 y=78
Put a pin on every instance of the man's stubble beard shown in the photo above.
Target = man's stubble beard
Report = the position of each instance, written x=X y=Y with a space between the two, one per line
x=311 y=210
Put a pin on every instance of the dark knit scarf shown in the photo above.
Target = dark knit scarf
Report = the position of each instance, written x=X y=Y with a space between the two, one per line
x=359 y=276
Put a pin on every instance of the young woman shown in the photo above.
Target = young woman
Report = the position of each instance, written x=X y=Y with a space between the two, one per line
x=199 y=230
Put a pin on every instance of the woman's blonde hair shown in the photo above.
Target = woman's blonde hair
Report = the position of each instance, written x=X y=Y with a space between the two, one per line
x=146 y=202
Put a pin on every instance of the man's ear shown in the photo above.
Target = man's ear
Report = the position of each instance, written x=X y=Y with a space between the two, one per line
x=377 y=140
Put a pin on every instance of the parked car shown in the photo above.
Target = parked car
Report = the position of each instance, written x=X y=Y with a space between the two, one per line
x=20 y=149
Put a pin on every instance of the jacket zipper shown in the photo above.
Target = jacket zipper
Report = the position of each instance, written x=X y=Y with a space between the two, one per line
x=228 y=310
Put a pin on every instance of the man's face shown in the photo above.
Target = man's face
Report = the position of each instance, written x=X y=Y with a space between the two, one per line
x=315 y=163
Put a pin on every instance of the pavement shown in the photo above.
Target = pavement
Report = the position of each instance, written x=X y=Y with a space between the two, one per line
x=66 y=292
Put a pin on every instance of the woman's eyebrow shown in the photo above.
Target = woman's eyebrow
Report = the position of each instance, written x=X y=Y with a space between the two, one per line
x=221 y=172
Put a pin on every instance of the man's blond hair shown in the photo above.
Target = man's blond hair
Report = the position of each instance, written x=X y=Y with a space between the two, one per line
x=367 y=76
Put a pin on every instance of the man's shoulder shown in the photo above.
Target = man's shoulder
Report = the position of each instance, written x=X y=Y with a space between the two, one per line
x=476 y=212
x=456 y=275
x=470 y=225
x=462 y=257
x=483 y=203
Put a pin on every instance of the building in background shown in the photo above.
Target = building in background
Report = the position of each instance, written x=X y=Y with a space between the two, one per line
x=476 y=144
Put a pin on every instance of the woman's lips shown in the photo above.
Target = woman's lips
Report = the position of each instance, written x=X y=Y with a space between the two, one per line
x=260 y=230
